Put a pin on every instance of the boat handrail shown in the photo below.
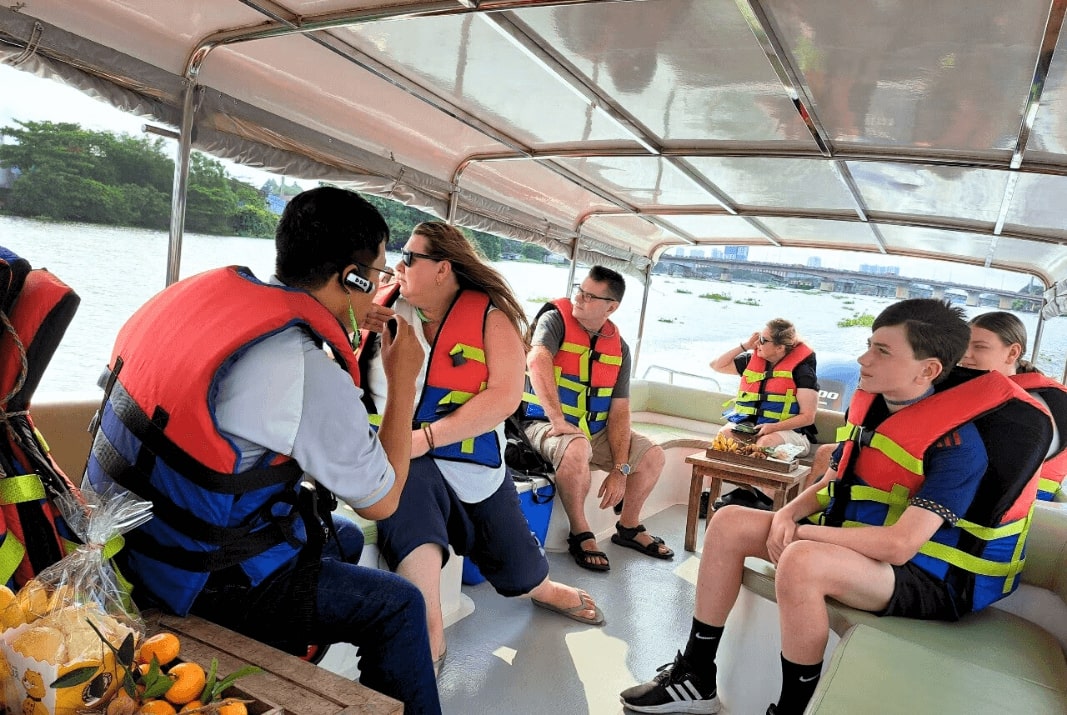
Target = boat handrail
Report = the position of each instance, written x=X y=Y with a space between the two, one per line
x=671 y=372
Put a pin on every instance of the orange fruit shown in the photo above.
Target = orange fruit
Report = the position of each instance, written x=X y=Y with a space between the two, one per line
x=164 y=646
x=189 y=680
x=191 y=705
x=157 y=707
x=233 y=709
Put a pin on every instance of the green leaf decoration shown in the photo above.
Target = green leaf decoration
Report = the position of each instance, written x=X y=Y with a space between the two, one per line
x=209 y=684
x=75 y=677
x=229 y=679
x=157 y=687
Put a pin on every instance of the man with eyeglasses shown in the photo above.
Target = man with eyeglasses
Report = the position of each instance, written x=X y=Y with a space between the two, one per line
x=577 y=414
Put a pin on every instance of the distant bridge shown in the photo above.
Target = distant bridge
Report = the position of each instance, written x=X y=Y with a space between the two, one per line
x=842 y=281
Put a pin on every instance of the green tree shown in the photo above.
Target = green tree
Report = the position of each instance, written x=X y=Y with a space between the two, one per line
x=71 y=174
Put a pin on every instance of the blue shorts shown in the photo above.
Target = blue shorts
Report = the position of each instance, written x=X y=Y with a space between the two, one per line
x=492 y=533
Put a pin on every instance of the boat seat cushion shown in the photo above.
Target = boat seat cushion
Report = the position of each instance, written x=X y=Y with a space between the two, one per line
x=873 y=670
x=1022 y=649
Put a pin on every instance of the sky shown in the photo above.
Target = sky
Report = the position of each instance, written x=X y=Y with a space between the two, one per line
x=26 y=97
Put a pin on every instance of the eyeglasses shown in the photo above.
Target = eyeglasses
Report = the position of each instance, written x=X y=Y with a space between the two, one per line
x=384 y=271
x=408 y=257
x=586 y=295
x=763 y=340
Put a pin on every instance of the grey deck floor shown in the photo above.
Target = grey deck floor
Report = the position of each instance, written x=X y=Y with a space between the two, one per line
x=511 y=658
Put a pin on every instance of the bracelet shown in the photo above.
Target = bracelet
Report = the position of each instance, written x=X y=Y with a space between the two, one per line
x=428 y=431
x=743 y=348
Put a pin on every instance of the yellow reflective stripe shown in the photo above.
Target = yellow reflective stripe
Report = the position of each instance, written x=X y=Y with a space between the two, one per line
x=23 y=488
x=988 y=533
x=825 y=494
x=969 y=562
x=782 y=373
x=583 y=361
x=896 y=453
x=603 y=391
x=574 y=348
x=11 y=553
x=844 y=434
x=896 y=500
x=455 y=397
x=468 y=351
x=572 y=411
x=743 y=396
x=1049 y=486
x=1017 y=555
x=572 y=385
x=610 y=359
x=467 y=446
x=375 y=420
x=752 y=376
x=41 y=441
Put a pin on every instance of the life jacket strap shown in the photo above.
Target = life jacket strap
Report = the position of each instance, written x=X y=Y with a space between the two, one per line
x=21 y=488
x=11 y=553
x=158 y=444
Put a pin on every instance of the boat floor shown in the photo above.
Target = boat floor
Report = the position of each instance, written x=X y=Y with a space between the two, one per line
x=510 y=657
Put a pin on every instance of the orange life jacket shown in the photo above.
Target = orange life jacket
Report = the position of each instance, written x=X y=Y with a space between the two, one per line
x=882 y=468
x=769 y=396
x=586 y=371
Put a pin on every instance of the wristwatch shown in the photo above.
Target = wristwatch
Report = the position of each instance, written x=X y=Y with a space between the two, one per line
x=624 y=469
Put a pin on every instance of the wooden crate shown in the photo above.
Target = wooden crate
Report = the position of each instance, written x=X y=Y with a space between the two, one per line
x=288 y=685
x=774 y=465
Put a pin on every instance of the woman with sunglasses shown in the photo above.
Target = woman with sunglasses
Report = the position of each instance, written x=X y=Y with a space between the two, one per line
x=779 y=391
x=458 y=491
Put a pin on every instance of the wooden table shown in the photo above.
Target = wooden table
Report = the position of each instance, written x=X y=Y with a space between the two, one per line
x=783 y=486
x=287 y=684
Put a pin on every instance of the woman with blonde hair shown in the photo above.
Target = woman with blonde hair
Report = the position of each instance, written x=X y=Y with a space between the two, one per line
x=458 y=492
x=998 y=342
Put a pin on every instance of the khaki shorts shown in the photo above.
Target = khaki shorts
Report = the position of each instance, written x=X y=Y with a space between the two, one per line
x=552 y=448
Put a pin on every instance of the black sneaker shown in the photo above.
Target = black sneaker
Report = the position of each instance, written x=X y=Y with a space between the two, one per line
x=675 y=689
x=704 y=496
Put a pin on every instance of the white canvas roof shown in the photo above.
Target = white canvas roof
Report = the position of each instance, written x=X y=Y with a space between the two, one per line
x=904 y=128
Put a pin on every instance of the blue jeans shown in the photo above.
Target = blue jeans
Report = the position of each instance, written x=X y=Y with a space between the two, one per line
x=377 y=611
x=383 y=615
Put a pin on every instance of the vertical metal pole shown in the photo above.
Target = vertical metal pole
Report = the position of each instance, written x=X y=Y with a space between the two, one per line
x=641 y=322
x=181 y=181
x=574 y=264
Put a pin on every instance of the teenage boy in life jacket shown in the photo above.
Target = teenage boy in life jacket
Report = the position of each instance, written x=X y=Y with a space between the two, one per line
x=944 y=459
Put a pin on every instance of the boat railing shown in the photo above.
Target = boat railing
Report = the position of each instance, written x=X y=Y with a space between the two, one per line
x=672 y=373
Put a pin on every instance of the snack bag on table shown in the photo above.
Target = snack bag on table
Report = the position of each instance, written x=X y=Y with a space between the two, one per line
x=63 y=629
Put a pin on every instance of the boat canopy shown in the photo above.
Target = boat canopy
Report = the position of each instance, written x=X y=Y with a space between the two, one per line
x=612 y=131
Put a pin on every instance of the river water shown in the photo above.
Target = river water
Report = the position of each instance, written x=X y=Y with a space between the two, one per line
x=115 y=270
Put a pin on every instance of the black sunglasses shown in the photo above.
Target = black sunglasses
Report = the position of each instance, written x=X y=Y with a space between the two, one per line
x=384 y=271
x=408 y=257
x=764 y=341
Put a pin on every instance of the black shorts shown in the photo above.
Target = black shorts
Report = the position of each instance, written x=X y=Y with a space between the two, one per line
x=493 y=533
x=917 y=594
